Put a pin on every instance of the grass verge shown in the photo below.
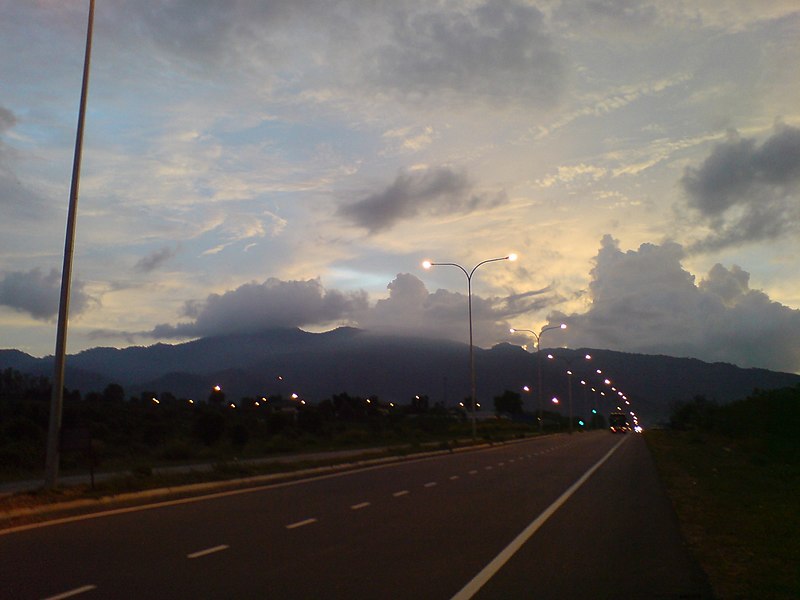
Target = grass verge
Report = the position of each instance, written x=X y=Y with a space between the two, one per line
x=126 y=486
x=738 y=506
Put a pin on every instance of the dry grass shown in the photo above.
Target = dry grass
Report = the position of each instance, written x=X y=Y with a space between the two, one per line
x=739 y=508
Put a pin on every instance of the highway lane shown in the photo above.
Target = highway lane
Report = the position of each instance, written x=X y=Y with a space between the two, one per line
x=417 y=529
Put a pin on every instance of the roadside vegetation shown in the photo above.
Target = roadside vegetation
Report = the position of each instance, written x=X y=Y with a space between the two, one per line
x=733 y=474
x=110 y=431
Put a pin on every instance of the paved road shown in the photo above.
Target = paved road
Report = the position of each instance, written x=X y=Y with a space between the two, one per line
x=579 y=516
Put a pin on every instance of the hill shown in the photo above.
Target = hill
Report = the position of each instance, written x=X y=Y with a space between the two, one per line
x=317 y=365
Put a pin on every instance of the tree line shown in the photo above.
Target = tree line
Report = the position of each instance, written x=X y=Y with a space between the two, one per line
x=156 y=427
x=767 y=420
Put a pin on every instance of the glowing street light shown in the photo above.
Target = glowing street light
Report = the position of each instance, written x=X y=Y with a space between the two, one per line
x=427 y=265
x=538 y=336
x=569 y=362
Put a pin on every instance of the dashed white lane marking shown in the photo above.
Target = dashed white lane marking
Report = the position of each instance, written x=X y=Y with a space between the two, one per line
x=453 y=477
x=360 y=505
x=488 y=468
x=71 y=593
x=473 y=472
x=400 y=493
x=430 y=484
x=302 y=523
x=207 y=551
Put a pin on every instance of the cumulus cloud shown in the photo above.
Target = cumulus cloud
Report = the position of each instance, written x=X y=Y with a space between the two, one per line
x=434 y=192
x=645 y=301
x=641 y=300
x=411 y=309
x=259 y=306
x=746 y=192
x=38 y=294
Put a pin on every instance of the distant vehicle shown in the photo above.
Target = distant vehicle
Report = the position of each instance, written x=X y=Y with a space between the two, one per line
x=618 y=423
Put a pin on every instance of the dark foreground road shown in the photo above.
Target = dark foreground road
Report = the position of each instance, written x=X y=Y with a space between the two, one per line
x=579 y=516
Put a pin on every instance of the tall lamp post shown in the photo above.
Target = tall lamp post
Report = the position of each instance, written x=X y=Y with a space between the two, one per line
x=538 y=337
x=427 y=265
x=569 y=362
x=57 y=397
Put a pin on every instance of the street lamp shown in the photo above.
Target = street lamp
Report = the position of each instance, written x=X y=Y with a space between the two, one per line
x=427 y=265
x=569 y=362
x=538 y=337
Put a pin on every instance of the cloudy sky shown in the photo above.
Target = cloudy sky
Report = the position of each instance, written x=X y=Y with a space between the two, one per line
x=254 y=163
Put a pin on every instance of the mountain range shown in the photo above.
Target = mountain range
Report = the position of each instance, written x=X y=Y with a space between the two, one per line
x=395 y=369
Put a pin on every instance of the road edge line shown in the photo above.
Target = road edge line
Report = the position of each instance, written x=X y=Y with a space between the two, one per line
x=485 y=574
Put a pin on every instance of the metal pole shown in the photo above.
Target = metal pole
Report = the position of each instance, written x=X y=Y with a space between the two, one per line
x=569 y=380
x=57 y=396
x=539 y=369
x=469 y=275
x=472 y=359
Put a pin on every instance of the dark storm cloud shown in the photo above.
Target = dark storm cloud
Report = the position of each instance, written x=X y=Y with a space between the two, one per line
x=747 y=192
x=430 y=192
x=37 y=294
x=259 y=306
x=492 y=51
x=155 y=259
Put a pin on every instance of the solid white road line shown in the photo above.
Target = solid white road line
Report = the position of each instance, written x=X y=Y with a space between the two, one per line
x=207 y=551
x=71 y=593
x=302 y=523
x=477 y=582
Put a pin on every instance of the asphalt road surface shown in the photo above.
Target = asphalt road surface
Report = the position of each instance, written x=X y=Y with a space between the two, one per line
x=580 y=516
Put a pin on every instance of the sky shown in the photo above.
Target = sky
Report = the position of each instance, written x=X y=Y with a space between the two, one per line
x=251 y=164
